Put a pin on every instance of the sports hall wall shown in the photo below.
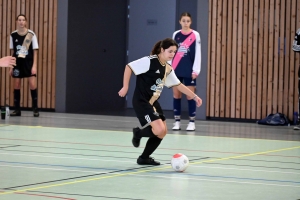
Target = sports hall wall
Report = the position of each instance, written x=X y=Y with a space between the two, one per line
x=251 y=70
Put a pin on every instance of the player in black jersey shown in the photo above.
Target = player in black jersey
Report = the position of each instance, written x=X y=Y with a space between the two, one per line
x=7 y=61
x=24 y=45
x=153 y=72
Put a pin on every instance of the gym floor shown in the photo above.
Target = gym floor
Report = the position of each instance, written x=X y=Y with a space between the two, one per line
x=76 y=156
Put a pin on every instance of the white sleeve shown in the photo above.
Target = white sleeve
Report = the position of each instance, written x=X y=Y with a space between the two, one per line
x=171 y=80
x=11 y=45
x=197 y=61
x=35 y=44
x=140 y=66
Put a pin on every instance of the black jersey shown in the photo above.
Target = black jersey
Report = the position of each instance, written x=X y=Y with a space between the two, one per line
x=151 y=77
x=150 y=74
x=296 y=42
x=23 y=46
x=19 y=46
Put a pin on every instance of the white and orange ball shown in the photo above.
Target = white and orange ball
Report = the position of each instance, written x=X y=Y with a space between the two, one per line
x=179 y=162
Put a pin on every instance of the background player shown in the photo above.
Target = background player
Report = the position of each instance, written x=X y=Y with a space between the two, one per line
x=24 y=45
x=187 y=64
x=153 y=72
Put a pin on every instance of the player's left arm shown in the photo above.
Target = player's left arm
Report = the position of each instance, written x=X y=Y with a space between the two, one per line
x=197 y=61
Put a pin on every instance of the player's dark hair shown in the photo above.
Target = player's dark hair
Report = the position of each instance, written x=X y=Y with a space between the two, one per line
x=21 y=15
x=165 y=44
x=185 y=14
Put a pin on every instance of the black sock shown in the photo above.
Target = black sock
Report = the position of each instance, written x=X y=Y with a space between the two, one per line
x=146 y=132
x=151 y=146
x=34 y=98
x=17 y=96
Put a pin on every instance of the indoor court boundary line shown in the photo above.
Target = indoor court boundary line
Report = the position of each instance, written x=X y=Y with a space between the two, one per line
x=90 y=144
x=116 y=131
x=148 y=170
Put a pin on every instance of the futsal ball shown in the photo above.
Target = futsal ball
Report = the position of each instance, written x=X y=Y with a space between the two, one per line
x=179 y=162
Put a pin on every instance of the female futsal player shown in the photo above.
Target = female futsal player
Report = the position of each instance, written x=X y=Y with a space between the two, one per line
x=24 y=45
x=186 y=64
x=153 y=72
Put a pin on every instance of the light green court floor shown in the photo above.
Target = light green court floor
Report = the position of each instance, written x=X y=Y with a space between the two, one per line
x=61 y=156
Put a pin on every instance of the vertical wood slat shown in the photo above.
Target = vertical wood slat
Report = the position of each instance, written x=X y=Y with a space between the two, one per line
x=239 y=61
x=255 y=59
x=223 y=61
x=276 y=56
x=263 y=71
x=53 y=66
x=36 y=11
x=244 y=56
x=281 y=56
x=208 y=91
x=292 y=73
x=287 y=54
x=45 y=54
x=4 y=46
x=270 y=58
x=229 y=59
x=265 y=59
x=234 y=59
x=250 y=61
x=213 y=57
x=49 y=54
x=40 y=52
x=297 y=62
x=218 y=59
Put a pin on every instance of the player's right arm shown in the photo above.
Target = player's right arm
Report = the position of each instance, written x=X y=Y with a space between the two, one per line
x=126 y=79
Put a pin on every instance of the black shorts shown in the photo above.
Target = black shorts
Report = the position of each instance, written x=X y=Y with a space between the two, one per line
x=146 y=113
x=188 y=81
x=23 y=68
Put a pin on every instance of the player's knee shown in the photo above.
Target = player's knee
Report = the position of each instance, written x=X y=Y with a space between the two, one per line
x=177 y=96
x=159 y=131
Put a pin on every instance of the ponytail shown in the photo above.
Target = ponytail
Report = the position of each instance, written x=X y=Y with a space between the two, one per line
x=165 y=44
x=157 y=48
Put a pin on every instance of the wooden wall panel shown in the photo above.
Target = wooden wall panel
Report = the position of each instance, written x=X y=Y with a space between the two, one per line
x=252 y=70
x=41 y=18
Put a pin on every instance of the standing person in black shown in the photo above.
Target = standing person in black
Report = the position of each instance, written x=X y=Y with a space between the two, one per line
x=153 y=73
x=296 y=48
x=24 y=46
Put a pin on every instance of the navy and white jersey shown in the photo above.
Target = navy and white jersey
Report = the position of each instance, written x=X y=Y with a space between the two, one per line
x=187 y=59
x=17 y=44
x=296 y=42
x=150 y=74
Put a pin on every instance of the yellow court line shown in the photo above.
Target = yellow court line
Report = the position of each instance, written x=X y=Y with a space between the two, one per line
x=148 y=170
x=78 y=129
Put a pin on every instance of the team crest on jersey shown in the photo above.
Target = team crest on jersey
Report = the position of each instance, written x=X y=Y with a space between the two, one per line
x=16 y=72
x=27 y=41
x=21 y=50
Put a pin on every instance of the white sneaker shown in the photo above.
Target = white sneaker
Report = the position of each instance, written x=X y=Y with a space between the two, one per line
x=176 y=126
x=297 y=127
x=191 y=126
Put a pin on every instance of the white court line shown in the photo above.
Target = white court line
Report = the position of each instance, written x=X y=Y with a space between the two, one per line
x=245 y=169
x=198 y=179
x=75 y=158
x=94 y=159
x=166 y=177
x=52 y=169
